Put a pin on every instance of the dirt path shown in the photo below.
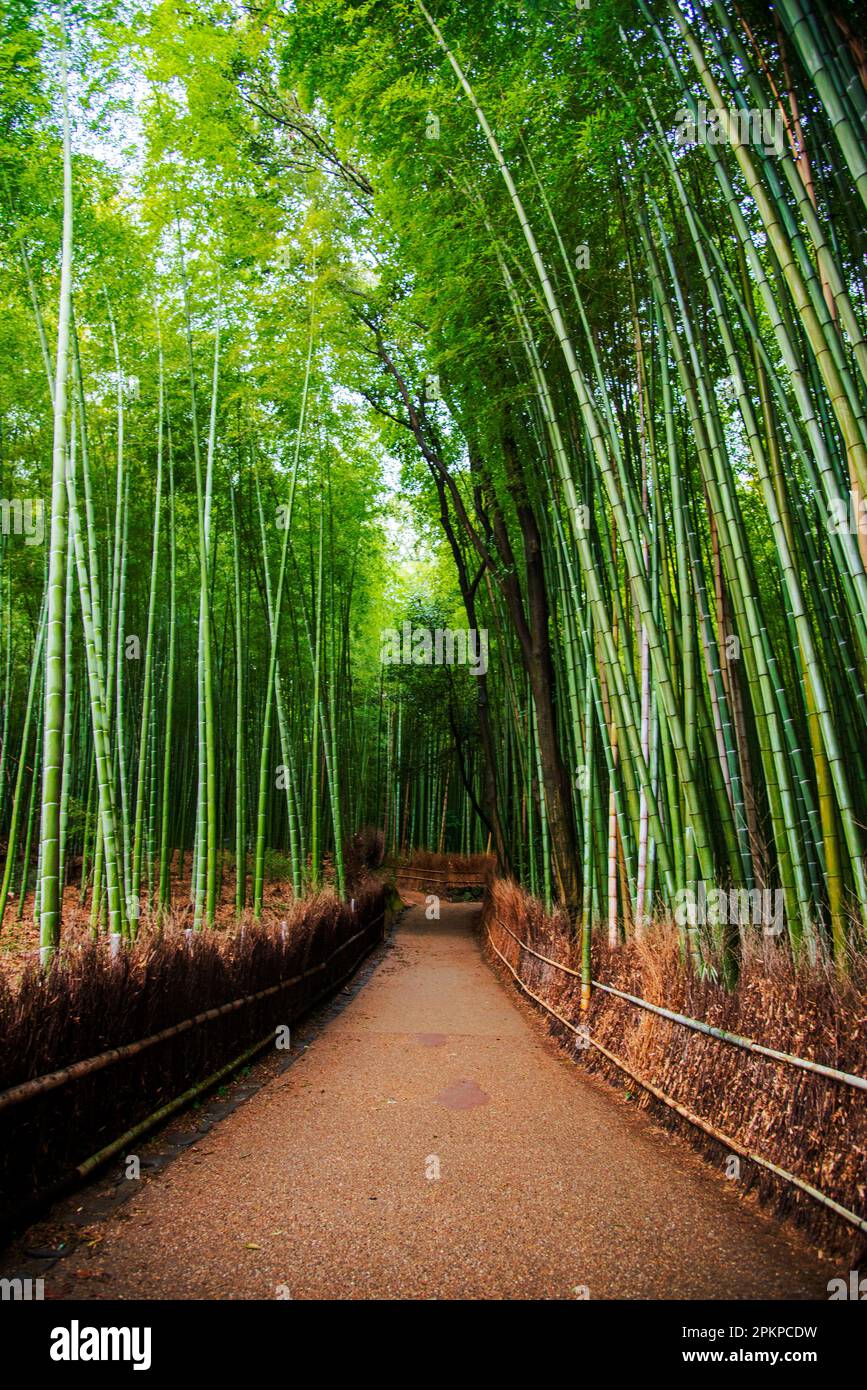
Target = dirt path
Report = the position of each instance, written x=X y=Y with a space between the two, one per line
x=323 y=1184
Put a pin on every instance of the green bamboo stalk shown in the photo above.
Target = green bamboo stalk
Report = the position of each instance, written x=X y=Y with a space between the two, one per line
x=134 y=890
x=52 y=741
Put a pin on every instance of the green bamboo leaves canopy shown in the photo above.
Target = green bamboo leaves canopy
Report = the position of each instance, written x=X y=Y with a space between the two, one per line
x=549 y=317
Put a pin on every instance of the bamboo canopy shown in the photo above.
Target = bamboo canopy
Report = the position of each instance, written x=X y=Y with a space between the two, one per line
x=453 y=425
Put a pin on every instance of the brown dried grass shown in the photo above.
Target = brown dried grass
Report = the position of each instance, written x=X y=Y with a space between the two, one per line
x=453 y=864
x=812 y=1126
x=365 y=853
x=88 y=1003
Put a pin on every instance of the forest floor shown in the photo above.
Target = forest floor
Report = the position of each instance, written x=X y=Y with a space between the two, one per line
x=430 y=1142
x=19 y=937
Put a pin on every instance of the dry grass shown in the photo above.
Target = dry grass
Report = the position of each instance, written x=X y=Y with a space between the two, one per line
x=365 y=852
x=19 y=940
x=812 y=1126
x=453 y=864
x=455 y=877
x=88 y=1003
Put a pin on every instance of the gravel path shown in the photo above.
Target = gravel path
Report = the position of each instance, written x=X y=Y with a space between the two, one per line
x=324 y=1184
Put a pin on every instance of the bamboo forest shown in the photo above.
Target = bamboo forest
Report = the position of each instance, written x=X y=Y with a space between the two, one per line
x=433 y=624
